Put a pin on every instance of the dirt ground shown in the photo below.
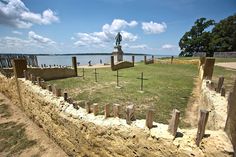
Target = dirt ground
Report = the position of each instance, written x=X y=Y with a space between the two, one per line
x=19 y=136
x=231 y=65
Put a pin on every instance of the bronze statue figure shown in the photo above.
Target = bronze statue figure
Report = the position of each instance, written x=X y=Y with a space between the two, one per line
x=118 y=39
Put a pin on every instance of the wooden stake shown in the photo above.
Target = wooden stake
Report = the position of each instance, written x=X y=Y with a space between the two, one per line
x=65 y=95
x=107 y=110
x=201 y=126
x=222 y=91
x=95 y=109
x=116 y=110
x=50 y=88
x=88 y=107
x=39 y=81
x=130 y=114
x=174 y=122
x=149 y=118
x=58 y=92
x=220 y=84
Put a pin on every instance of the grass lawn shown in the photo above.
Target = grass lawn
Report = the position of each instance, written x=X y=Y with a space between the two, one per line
x=167 y=86
x=229 y=75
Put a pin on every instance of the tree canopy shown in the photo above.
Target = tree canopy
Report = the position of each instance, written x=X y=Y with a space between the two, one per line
x=200 y=38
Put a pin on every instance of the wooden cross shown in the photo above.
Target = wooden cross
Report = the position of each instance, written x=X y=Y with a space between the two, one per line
x=141 y=78
x=83 y=74
x=95 y=74
x=117 y=78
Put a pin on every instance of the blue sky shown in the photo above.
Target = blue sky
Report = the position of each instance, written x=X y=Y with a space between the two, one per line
x=89 y=26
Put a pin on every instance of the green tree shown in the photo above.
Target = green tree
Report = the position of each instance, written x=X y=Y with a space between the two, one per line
x=224 y=35
x=197 y=39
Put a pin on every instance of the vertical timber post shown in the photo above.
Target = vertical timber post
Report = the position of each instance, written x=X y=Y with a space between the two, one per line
x=107 y=110
x=149 y=118
x=116 y=110
x=220 y=84
x=133 y=60
x=174 y=122
x=208 y=68
x=95 y=109
x=201 y=126
x=74 y=65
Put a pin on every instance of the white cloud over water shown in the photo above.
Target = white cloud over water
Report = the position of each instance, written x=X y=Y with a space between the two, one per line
x=107 y=34
x=169 y=46
x=14 y=13
x=40 y=39
x=34 y=43
x=153 y=27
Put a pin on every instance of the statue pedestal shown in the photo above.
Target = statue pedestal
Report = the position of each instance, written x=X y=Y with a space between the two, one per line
x=118 y=54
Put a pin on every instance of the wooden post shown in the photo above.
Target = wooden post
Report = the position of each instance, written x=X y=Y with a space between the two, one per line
x=65 y=95
x=58 y=92
x=220 y=84
x=112 y=62
x=152 y=59
x=39 y=81
x=201 y=126
x=174 y=122
x=133 y=60
x=95 y=109
x=208 y=68
x=117 y=78
x=145 y=59
x=50 y=88
x=222 y=91
x=75 y=105
x=149 y=118
x=74 y=65
x=88 y=107
x=107 y=110
x=83 y=73
x=172 y=58
x=70 y=100
x=95 y=73
x=130 y=114
x=116 y=110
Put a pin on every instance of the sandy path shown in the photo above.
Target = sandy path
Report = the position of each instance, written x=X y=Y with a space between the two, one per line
x=44 y=147
x=231 y=65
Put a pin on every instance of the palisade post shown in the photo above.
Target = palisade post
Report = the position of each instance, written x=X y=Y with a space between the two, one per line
x=129 y=114
x=116 y=110
x=58 y=92
x=39 y=81
x=222 y=91
x=149 y=118
x=74 y=65
x=220 y=84
x=133 y=60
x=50 y=88
x=174 y=122
x=65 y=95
x=107 y=110
x=95 y=109
x=88 y=107
x=201 y=126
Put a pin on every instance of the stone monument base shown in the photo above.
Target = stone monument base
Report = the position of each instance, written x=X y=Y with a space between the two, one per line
x=118 y=54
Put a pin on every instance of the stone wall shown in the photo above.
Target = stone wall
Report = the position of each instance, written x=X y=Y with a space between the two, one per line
x=216 y=104
x=82 y=134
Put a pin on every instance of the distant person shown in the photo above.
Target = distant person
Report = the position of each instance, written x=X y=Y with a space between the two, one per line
x=90 y=63
x=100 y=61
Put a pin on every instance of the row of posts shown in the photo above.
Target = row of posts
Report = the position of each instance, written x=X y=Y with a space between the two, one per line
x=219 y=87
x=52 y=66
x=129 y=111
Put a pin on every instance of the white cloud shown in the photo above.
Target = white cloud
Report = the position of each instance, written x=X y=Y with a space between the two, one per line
x=39 y=39
x=141 y=46
x=14 y=13
x=169 y=46
x=153 y=27
x=17 y=32
x=107 y=34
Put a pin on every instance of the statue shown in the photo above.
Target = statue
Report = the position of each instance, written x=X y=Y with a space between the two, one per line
x=118 y=39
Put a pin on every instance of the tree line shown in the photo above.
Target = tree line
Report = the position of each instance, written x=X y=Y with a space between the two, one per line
x=208 y=36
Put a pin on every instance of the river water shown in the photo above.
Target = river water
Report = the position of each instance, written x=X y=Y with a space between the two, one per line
x=84 y=59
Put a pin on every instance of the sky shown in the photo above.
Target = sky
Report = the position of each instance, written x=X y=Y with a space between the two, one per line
x=90 y=26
